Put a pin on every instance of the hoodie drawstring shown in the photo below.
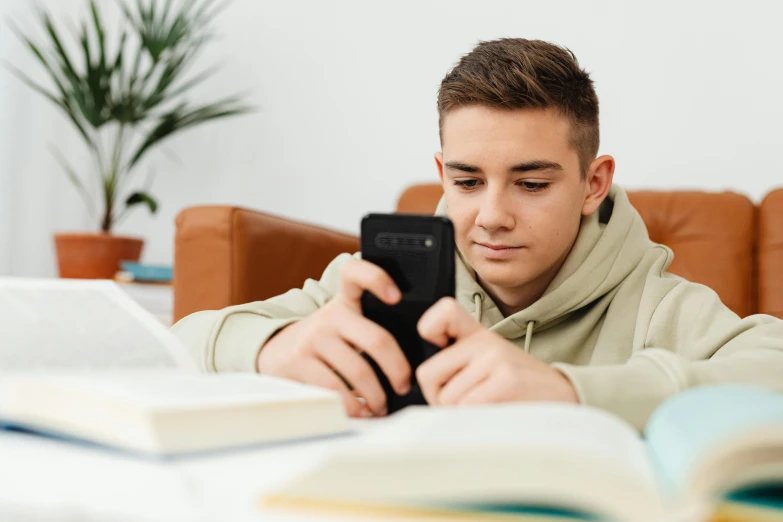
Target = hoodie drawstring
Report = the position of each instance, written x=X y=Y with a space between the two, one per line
x=529 y=335
x=477 y=301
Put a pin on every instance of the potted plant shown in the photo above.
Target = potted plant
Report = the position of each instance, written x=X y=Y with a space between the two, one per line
x=122 y=104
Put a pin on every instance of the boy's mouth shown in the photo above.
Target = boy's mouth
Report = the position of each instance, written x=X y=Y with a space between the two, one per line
x=495 y=246
x=498 y=250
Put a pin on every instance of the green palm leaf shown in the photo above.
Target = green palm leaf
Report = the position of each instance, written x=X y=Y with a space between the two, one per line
x=99 y=31
x=74 y=178
x=66 y=65
x=65 y=99
x=182 y=117
x=142 y=197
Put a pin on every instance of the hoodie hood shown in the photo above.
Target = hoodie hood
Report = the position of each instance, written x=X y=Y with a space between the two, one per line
x=610 y=245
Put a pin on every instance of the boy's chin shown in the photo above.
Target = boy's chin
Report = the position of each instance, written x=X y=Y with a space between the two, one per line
x=503 y=276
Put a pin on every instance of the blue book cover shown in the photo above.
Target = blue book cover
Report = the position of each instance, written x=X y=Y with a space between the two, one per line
x=152 y=273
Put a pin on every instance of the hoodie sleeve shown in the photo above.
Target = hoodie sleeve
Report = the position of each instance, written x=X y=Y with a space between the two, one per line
x=229 y=340
x=693 y=339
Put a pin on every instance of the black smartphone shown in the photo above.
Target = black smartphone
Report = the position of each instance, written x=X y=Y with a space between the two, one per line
x=417 y=251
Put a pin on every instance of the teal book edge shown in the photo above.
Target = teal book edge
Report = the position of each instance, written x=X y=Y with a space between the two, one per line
x=684 y=428
x=154 y=273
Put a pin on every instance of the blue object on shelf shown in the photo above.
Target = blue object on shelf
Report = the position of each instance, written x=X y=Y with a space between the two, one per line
x=141 y=272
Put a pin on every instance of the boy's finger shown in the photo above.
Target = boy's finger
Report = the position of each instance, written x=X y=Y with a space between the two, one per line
x=358 y=276
x=315 y=372
x=446 y=320
x=355 y=369
x=436 y=372
x=379 y=344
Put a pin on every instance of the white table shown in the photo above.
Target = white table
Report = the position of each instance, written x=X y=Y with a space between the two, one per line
x=43 y=479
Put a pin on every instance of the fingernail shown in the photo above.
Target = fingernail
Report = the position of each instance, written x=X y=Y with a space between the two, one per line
x=405 y=389
x=393 y=293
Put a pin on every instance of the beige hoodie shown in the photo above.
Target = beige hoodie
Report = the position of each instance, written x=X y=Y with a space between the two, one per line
x=623 y=330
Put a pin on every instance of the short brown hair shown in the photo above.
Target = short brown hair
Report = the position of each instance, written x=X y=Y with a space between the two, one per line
x=514 y=73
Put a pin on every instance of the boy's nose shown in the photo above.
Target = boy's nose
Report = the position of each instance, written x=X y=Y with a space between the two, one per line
x=494 y=214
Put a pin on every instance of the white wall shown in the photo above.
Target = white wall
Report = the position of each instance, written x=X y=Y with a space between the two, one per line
x=690 y=98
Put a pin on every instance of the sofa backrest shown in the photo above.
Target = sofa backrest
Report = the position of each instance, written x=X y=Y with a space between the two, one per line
x=713 y=236
x=227 y=255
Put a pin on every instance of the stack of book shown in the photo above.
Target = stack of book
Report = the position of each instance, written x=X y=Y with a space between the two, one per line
x=151 y=287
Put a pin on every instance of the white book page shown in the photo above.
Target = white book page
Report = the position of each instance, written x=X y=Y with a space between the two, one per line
x=166 y=390
x=78 y=324
x=565 y=429
x=523 y=454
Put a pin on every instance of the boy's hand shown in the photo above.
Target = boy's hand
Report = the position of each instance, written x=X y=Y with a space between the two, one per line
x=329 y=342
x=481 y=366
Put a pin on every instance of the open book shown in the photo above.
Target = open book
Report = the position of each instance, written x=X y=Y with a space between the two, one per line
x=168 y=413
x=76 y=324
x=80 y=359
x=563 y=461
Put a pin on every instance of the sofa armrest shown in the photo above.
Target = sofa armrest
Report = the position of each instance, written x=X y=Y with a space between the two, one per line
x=226 y=255
x=770 y=254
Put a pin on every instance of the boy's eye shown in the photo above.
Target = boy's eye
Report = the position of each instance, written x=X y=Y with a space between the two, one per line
x=466 y=183
x=533 y=186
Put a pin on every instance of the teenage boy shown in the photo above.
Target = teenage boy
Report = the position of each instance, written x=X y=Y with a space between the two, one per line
x=560 y=294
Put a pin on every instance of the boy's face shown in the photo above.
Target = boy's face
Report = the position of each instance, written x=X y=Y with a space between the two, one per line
x=514 y=193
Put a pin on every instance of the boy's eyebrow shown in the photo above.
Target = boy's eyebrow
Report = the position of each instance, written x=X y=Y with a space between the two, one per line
x=536 y=165
x=464 y=167
x=521 y=167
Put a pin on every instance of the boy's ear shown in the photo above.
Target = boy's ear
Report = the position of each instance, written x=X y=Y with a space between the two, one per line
x=600 y=174
x=439 y=164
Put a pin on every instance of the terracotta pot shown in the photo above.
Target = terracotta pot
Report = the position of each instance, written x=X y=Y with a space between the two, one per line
x=94 y=256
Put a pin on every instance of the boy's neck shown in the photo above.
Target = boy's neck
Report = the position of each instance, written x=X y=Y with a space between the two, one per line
x=512 y=300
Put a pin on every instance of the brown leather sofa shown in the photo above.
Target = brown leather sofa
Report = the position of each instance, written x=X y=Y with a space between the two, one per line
x=228 y=255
